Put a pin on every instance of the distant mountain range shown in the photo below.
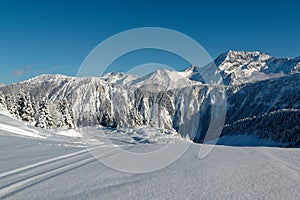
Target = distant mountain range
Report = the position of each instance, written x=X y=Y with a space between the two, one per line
x=263 y=99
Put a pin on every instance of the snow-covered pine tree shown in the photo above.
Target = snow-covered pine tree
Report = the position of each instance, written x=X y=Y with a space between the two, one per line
x=44 y=119
x=135 y=117
x=67 y=115
x=2 y=98
x=25 y=109
x=10 y=105
x=106 y=120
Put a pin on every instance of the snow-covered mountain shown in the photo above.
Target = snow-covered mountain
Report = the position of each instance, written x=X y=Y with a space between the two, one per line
x=239 y=67
x=165 y=79
x=119 y=78
x=236 y=67
x=59 y=101
x=263 y=99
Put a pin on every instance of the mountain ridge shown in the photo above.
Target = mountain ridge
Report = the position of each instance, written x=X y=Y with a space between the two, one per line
x=166 y=99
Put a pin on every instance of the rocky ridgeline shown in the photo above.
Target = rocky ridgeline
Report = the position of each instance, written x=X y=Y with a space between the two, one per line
x=263 y=99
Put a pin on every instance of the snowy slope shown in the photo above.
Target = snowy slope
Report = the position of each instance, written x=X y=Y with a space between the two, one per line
x=61 y=168
x=41 y=169
x=10 y=126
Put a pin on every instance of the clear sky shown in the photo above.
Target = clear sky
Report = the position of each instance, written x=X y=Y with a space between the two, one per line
x=55 y=36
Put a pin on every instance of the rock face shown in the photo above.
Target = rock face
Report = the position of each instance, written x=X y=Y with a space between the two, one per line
x=60 y=101
x=263 y=99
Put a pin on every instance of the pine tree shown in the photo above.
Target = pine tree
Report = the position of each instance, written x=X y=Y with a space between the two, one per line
x=2 y=98
x=67 y=115
x=24 y=108
x=44 y=117
x=106 y=120
x=133 y=114
x=11 y=105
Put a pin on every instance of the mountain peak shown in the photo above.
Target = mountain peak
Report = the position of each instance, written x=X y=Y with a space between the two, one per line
x=44 y=77
x=190 y=68
x=231 y=54
x=247 y=66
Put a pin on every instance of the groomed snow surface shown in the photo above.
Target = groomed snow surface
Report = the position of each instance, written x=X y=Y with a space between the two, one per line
x=39 y=164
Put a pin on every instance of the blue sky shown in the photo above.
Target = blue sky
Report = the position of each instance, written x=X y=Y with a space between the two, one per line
x=55 y=36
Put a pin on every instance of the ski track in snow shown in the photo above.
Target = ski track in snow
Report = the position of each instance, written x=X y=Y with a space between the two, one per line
x=24 y=177
x=222 y=175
